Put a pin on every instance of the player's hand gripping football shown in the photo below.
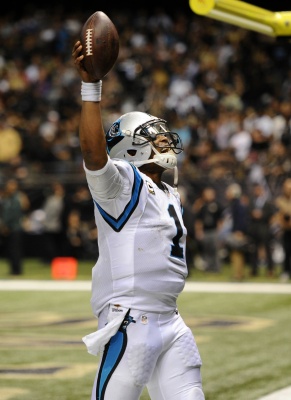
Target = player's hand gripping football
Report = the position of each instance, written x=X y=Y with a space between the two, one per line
x=78 y=57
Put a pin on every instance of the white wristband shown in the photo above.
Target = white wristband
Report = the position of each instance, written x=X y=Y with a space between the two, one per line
x=91 y=91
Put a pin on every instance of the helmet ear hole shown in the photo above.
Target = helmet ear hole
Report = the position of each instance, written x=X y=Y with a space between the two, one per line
x=131 y=152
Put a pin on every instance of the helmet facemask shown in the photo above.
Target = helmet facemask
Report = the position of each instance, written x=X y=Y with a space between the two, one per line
x=165 y=153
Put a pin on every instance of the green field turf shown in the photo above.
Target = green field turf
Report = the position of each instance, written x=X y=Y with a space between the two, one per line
x=244 y=341
x=35 y=269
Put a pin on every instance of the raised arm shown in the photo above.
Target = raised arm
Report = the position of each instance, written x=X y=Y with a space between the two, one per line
x=91 y=131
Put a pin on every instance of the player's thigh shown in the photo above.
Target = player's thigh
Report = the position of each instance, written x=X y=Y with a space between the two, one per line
x=119 y=387
x=114 y=379
x=124 y=375
x=177 y=374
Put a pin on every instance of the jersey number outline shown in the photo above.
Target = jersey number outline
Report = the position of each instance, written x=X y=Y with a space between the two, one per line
x=177 y=250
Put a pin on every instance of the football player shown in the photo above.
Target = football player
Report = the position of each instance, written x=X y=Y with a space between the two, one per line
x=141 y=269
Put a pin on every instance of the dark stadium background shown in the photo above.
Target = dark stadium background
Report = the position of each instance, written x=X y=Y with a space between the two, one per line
x=107 y=5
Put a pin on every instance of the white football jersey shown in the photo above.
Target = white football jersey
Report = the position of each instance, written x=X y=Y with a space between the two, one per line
x=141 y=239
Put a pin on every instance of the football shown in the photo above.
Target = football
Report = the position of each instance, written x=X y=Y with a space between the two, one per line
x=100 y=41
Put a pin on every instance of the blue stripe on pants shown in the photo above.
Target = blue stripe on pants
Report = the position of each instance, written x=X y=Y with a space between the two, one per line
x=113 y=353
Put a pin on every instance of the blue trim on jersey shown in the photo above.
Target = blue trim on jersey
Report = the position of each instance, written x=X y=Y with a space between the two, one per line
x=118 y=223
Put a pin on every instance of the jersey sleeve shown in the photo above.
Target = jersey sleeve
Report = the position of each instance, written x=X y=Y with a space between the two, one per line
x=111 y=186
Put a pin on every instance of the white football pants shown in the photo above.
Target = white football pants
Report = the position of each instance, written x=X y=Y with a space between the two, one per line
x=153 y=350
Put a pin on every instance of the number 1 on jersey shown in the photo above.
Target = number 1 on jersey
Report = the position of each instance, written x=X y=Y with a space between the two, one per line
x=177 y=250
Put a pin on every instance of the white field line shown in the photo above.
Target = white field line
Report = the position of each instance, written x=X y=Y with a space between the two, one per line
x=233 y=287
x=283 y=394
x=198 y=287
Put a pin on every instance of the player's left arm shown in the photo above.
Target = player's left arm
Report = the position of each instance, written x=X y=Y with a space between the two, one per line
x=91 y=131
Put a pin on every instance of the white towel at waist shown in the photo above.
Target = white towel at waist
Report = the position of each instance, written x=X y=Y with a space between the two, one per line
x=96 y=341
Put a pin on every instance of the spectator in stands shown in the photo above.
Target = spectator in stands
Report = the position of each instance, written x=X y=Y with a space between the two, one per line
x=237 y=239
x=13 y=206
x=208 y=218
x=283 y=204
x=81 y=201
x=285 y=120
x=54 y=222
x=277 y=166
x=10 y=141
x=74 y=246
x=261 y=212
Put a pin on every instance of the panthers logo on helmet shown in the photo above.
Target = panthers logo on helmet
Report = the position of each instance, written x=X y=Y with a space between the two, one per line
x=113 y=135
x=114 y=130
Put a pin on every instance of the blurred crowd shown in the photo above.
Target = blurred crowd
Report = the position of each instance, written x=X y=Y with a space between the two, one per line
x=225 y=90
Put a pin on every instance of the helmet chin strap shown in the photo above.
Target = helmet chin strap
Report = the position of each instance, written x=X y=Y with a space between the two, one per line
x=175 y=184
x=164 y=160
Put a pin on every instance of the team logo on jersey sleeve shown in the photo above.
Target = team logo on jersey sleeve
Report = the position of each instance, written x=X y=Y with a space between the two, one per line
x=150 y=187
